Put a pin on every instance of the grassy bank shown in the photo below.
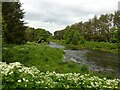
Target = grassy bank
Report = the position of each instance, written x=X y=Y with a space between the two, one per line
x=45 y=59
x=42 y=56
x=103 y=46
x=31 y=54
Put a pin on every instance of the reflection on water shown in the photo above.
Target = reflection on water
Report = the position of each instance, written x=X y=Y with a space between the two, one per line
x=95 y=59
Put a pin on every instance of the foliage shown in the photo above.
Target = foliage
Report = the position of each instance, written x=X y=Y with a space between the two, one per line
x=42 y=35
x=44 y=58
x=13 y=19
x=103 y=46
x=73 y=37
x=102 y=29
x=58 y=34
x=37 y=35
x=114 y=40
x=107 y=47
x=41 y=56
x=15 y=76
x=29 y=34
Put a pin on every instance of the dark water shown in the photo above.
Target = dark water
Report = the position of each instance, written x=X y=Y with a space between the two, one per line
x=95 y=59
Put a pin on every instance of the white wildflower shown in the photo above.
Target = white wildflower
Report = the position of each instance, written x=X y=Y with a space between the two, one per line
x=23 y=79
x=25 y=85
x=19 y=80
x=27 y=80
x=11 y=73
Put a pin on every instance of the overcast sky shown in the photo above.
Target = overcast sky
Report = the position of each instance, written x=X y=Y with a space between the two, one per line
x=55 y=15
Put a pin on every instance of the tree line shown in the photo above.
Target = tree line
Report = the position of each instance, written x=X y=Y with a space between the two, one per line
x=37 y=35
x=105 y=28
x=14 y=30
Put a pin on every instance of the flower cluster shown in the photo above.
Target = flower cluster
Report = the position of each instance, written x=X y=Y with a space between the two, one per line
x=16 y=75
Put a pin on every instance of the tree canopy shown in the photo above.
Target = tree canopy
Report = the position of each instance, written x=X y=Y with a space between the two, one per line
x=13 y=23
x=37 y=35
x=102 y=29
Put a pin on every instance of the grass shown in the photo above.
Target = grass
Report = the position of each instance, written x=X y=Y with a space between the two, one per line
x=42 y=56
x=102 y=46
x=110 y=48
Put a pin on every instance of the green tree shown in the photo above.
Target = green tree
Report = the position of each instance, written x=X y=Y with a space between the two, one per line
x=117 y=23
x=29 y=34
x=76 y=38
x=41 y=35
x=68 y=37
x=105 y=28
x=73 y=37
x=13 y=18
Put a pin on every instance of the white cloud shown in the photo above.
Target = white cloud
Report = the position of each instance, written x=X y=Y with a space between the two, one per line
x=52 y=27
x=57 y=14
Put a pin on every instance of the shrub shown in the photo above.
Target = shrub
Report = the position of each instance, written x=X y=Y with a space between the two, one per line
x=15 y=75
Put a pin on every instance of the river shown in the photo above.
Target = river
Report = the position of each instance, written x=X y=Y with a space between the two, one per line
x=96 y=60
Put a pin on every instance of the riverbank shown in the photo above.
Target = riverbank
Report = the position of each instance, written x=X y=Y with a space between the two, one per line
x=45 y=58
x=102 y=46
x=42 y=56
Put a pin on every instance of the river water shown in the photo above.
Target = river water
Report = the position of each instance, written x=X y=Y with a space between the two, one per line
x=96 y=60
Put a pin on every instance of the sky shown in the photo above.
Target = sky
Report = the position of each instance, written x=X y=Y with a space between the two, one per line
x=54 y=15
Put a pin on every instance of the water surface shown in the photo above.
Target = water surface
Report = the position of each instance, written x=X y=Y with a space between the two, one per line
x=96 y=60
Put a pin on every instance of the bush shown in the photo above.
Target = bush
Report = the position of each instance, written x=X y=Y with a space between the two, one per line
x=114 y=40
x=84 y=69
x=16 y=75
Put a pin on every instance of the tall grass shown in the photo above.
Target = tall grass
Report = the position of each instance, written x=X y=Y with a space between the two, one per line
x=43 y=57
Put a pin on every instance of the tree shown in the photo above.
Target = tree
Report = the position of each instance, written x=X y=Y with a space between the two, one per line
x=105 y=28
x=76 y=38
x=58 y=34
x=29 y=34
x=68 y=36
x=117 y=23
x=41 y=35
x=73 y=37
x=13 y=18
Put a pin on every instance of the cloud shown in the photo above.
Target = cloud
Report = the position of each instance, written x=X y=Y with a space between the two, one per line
x=57 y=14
